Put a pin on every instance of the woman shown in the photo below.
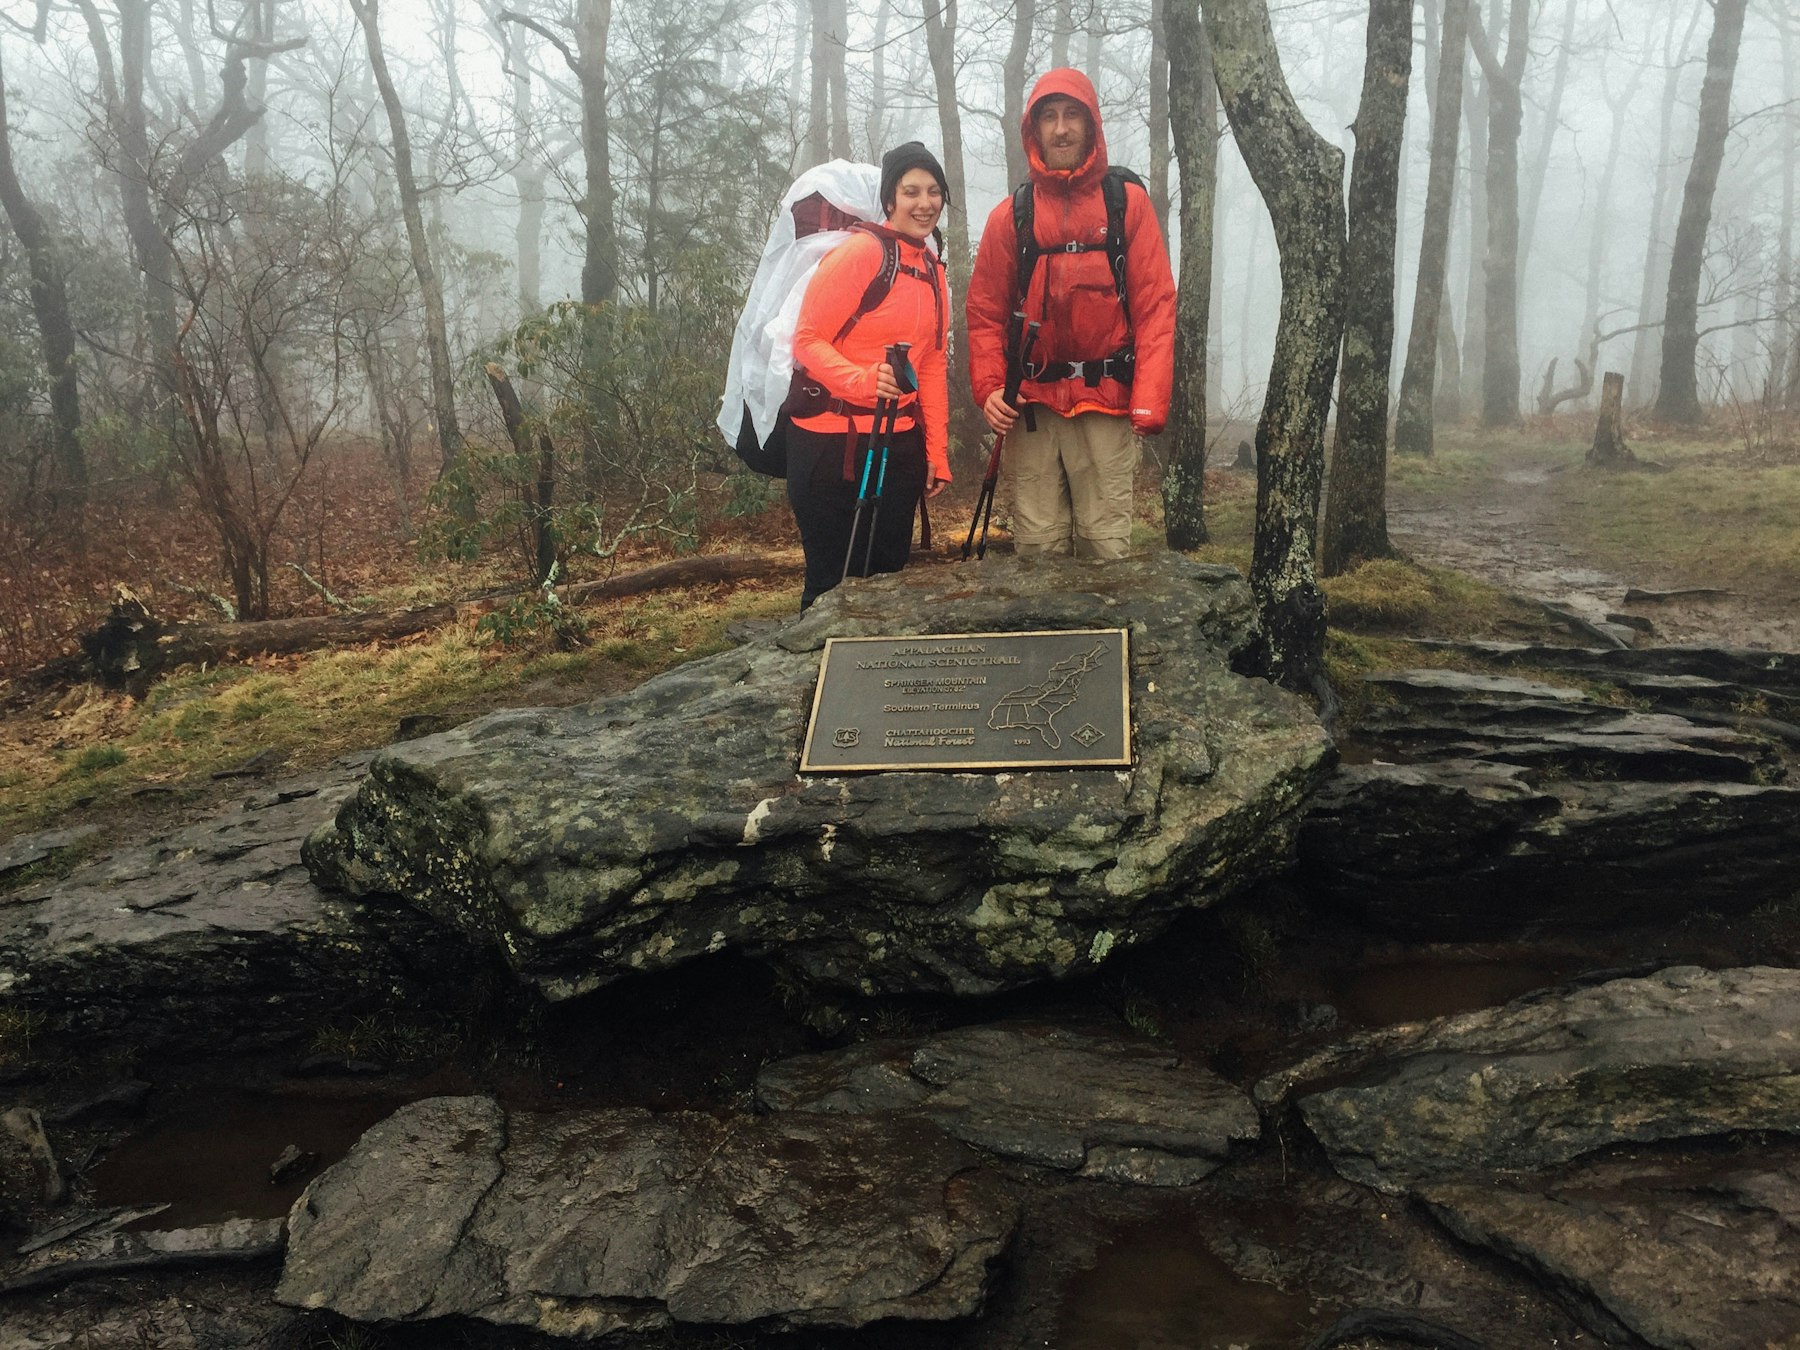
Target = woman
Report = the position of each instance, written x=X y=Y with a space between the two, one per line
x=842 y=375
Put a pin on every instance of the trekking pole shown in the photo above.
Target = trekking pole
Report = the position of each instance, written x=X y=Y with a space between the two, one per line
x=908 y=380
x=888 y=408
x=1020 y=339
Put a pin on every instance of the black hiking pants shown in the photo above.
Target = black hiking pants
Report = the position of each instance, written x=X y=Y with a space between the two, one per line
x=824 y=503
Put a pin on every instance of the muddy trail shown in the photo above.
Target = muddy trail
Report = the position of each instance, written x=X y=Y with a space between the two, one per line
x=1502 y=525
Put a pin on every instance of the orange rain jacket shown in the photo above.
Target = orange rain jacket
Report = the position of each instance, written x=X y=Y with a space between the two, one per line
x=1073 y=294
x=908 y=313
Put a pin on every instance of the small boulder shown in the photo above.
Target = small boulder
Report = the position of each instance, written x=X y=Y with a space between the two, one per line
x=583 y=1223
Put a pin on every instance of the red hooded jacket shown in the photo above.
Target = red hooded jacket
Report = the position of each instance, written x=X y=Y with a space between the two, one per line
x=1072 y=294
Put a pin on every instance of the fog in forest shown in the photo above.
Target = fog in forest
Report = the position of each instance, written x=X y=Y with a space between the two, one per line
x=214 y=190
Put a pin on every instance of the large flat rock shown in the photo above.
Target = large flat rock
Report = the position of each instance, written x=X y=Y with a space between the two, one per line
x=1090 y=1102
x=214 y=936
x=1694 y=1253
x=650 y=828
x=1683 y=1054
x=585 y=1223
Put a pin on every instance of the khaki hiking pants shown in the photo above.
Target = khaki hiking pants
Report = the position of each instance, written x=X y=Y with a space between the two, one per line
x=1070 y=482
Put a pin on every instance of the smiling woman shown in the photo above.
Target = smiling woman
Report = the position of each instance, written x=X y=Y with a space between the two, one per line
x=848 y=331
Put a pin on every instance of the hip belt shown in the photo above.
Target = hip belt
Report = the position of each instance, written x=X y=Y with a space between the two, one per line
x=1120 y=366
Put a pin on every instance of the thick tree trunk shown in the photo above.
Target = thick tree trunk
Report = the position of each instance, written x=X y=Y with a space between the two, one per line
x=1506 y=107
x=1601 y=236
x=431 y=290
x=940 y=44
x=1013 y=76
x=1780 y=393
x=818 y=106
x=543 y=526
x=1356 y=507
x=1414 y=422
x=1059 y=35
x=837 y=43
x=1300 y=176
x=1194 y=120
x=1678 y=396
x=875 y=128
x=45 y=261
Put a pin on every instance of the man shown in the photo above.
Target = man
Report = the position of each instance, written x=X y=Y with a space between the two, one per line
x=1101 y=370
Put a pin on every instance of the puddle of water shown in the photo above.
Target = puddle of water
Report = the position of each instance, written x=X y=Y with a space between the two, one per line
x=212 y=1163
x=1412 y=991
x=1162 y=1291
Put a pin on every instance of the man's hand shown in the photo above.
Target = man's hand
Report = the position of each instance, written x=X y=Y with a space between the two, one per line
x=934 y=484
x=999 y=413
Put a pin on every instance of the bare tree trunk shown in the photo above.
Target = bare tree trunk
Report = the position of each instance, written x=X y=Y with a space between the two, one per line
x=1013 y=76
x=1678 y=397
x=257 y=159
x=940 y=44
x=1158 y=174
x=1780 y=393
x=818 y=108
x=1477 y=105
x=1506 y=107
x=1356 y=507
x=600 y=261
x=1059 y=35
x=1540 y=162
x=837 y=42
x=1609 y=450
x=1414 y=424
x=1620 y=106
x=431 y=291
x=1654 y=287
x=1194 y=120
x=1300 y=176
x=876 y=126
x=528 y=180
x=45 y=261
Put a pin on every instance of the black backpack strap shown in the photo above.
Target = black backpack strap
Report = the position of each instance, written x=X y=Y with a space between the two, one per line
x=1025 y=238
x=1112 y=190
x=879 y=285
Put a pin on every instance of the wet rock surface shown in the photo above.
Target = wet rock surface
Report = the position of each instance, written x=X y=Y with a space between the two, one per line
x=583 y=1223
x=1683 y=1054
x=214 y=935
x=1480 y=806
x=645 y=830
x=1674 y=1252
x=1094 y=1103
x=104 y=1250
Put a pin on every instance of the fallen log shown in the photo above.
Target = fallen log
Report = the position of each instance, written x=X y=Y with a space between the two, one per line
x=131 y=647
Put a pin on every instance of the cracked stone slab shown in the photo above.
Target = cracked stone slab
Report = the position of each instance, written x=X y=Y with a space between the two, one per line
x=654 y=827
x=1094 y=1103
x=585 y=1223
x=214 y=935
x=94 y=1253
x=1695 y=1253
x=1682 y=1054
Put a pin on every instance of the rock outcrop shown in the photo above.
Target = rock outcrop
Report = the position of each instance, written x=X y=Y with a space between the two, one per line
x=1673 y=1252
x=1481 y=806
x=583 y=1223
x=1094 y=1103
x=214 y=937
x=648 y=829
x=1683 y=1054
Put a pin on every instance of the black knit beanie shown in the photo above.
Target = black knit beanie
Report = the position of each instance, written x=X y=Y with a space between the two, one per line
x=895 y=164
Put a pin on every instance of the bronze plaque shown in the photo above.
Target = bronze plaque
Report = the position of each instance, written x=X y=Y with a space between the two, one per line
x=972 y=701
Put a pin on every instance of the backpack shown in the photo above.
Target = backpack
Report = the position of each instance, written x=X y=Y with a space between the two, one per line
x=762 y=389
x=1112 y=191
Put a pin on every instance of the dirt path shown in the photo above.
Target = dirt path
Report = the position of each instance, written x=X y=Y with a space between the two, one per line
x=1503 y=528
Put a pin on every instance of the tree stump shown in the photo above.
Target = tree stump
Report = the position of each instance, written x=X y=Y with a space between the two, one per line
x=1609 y=449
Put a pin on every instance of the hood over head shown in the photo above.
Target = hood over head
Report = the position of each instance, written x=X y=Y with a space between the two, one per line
x=1072 y=84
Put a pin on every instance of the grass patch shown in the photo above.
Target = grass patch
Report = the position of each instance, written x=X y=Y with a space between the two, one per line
x=1392 y=595
x=19 y=1029
x=94 y=749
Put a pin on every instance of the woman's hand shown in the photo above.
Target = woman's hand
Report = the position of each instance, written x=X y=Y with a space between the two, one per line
x=934 y=484
x=886 y=386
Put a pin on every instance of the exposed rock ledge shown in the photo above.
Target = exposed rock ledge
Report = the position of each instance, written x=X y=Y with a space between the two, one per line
x=648 y=829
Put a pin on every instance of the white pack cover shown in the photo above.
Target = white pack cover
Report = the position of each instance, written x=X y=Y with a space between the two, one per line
x=762 y=349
